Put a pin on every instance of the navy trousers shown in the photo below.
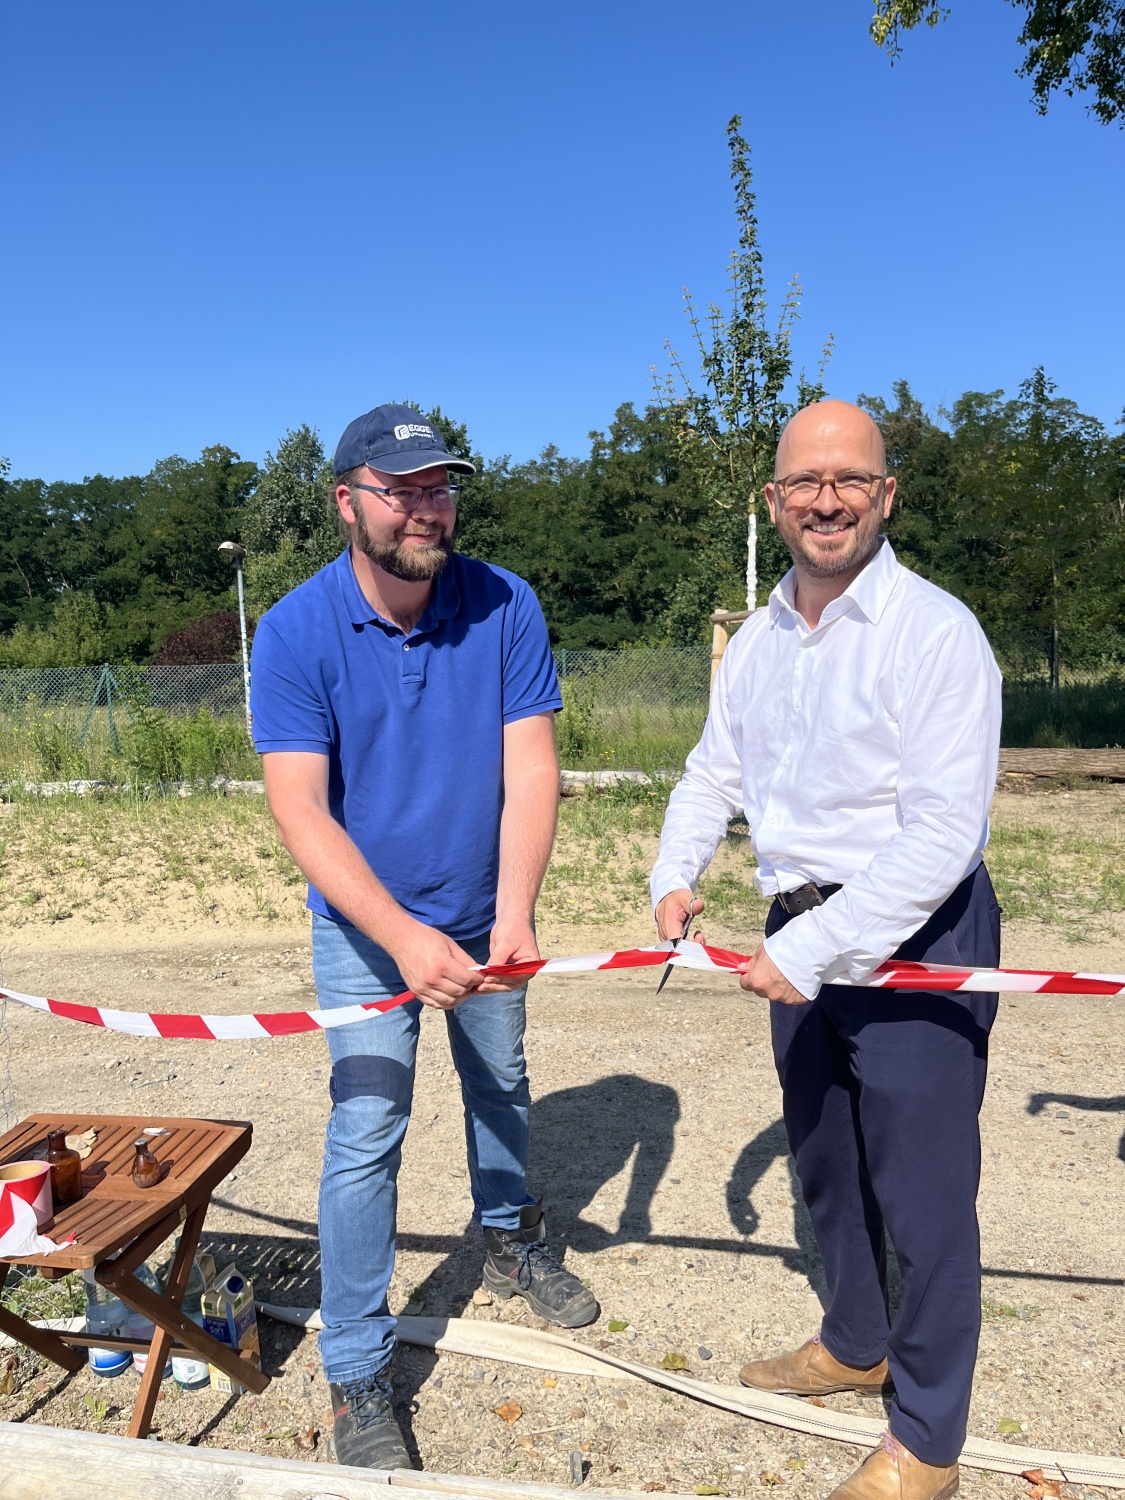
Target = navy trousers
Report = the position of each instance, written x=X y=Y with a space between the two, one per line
x=881 y=1091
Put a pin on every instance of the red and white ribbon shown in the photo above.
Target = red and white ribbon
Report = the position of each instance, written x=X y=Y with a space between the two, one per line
x=19 y=1228
x=893 y=975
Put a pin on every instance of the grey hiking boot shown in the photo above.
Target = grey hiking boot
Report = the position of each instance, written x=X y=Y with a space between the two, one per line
x=519 y=1263
x=364 y=1429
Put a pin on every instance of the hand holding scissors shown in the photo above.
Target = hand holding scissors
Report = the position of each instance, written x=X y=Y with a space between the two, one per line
x=691 y=909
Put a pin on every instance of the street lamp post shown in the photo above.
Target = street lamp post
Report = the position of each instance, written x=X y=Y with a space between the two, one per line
x=234 y=552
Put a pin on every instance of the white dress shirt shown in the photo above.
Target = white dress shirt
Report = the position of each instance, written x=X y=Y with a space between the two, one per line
x=863 y=753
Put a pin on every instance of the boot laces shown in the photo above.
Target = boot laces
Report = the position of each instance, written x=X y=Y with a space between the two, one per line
x=889 y=1445
x=370 y=1399
x=536 y=1257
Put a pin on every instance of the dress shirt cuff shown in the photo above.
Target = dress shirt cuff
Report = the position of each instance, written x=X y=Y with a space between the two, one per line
x=667 y=876
x=789 y=954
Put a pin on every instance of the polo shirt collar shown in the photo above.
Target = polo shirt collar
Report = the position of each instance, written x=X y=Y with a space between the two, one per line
x=444 y=605
x=869 y=592
x=446 y=600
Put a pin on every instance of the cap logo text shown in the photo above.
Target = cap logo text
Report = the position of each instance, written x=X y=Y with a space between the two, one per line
x=406 y=430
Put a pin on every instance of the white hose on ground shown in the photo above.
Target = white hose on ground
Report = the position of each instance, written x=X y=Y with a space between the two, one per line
x=511 y=1344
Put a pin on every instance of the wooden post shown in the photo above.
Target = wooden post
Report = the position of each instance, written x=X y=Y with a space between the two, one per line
x=722 y=625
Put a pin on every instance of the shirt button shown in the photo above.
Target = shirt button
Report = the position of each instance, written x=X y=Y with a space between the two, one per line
x=773 y=822
x=406 y=646
x=796 y=702
x=785 y=760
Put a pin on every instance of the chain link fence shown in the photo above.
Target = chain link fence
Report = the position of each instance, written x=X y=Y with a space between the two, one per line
x=217 y=687
x=678 y=676
x=641 y=706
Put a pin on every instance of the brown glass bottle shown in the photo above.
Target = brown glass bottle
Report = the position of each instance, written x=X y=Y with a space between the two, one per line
x=66 y=1169
x=145 y=1171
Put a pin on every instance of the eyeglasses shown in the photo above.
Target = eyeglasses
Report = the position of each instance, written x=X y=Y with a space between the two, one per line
x=410 y=498
x=852 y=486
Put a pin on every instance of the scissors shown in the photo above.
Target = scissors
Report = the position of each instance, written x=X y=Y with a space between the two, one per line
x=676 y=945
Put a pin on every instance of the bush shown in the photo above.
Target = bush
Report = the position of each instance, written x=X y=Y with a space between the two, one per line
x=160 y=746
x=75 y=637
x=576 y=734
x=215 y=638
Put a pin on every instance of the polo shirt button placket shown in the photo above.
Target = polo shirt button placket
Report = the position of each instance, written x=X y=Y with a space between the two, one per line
x=411 y=661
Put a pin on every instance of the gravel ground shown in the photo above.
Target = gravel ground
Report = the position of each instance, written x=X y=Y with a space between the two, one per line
x=659 y=1149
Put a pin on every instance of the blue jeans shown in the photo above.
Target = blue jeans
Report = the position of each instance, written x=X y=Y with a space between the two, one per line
x=372 y=1087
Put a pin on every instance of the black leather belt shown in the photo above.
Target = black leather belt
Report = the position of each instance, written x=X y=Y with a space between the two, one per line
x=804 y=898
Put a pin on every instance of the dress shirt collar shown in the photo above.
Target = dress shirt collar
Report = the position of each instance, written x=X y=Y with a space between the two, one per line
x=869 y=592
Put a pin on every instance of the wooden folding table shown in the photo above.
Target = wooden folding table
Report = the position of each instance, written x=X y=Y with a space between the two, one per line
x=117 y=1225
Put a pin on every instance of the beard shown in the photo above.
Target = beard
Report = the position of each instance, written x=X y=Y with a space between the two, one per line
x=411 y=564
x=859 y=547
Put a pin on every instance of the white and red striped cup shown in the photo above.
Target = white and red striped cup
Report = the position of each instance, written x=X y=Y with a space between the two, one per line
x=31 y=1181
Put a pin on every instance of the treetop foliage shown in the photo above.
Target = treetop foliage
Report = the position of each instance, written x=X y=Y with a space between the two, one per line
x=1074 y=45
x=726 y=422
x=1016 y=504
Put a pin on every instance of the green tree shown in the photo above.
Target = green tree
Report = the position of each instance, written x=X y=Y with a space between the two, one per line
x=24 y=574
x=727 y=425
x=1074 y=45
x=162 y=567
x=288 y=525
x=920 y=456
x=75 y=636
x=603 y=540
x=1031 y=509
x=293 y=493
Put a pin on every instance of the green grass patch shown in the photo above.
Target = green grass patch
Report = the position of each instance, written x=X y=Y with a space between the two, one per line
x=1067 y=879
x=142 y=745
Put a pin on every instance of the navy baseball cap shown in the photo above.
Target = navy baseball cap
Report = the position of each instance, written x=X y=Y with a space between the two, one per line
x=396 y=440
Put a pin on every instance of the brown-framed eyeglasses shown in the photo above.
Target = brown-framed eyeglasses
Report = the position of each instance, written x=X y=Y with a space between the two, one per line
x=852 y=486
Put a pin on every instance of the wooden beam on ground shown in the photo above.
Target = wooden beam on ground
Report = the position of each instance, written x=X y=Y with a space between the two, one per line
x=1108 y=765
x=51 y=1463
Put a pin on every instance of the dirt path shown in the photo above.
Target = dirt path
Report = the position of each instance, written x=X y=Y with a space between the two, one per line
x=660 y=1153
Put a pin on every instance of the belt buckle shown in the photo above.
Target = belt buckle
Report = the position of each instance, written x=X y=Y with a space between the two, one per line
x=803 y=898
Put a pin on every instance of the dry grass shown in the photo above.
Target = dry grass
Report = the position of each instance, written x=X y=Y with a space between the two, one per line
x=174 y=862
x=163 y=860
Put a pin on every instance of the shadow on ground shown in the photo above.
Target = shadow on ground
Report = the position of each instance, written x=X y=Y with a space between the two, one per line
x=1113 y=1104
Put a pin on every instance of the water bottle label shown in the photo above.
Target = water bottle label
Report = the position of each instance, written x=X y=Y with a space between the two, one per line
x=110 y=1362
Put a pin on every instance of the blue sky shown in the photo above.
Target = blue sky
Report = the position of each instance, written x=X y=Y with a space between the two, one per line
x=224 y=219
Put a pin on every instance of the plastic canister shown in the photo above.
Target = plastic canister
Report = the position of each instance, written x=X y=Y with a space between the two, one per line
x=105 y=1315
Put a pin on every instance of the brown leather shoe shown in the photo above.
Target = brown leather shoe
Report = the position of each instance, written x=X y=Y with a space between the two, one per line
x=812 y=1371
x=893 y=1473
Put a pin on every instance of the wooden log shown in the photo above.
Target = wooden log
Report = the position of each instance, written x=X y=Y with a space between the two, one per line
x=50 y=1463
x=574 y=783
x=1105 y=764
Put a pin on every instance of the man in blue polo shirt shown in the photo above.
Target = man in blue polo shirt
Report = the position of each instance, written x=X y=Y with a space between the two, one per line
x=403 y=703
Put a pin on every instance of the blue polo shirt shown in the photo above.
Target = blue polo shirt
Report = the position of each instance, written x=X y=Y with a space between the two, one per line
x=412 y=725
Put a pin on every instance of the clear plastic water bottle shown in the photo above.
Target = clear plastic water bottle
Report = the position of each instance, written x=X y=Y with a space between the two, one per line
x=140 y=1327
x=105 y=1315
x=189 y=1372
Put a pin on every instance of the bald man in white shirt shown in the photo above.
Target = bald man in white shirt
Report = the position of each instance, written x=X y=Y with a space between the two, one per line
x=856 y=722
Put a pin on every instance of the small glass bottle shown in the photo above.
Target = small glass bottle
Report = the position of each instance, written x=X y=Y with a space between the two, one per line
x=66 y=1169
x=145 y=1170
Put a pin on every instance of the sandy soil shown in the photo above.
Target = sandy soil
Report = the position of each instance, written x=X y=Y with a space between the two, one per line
x=659 y=1149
